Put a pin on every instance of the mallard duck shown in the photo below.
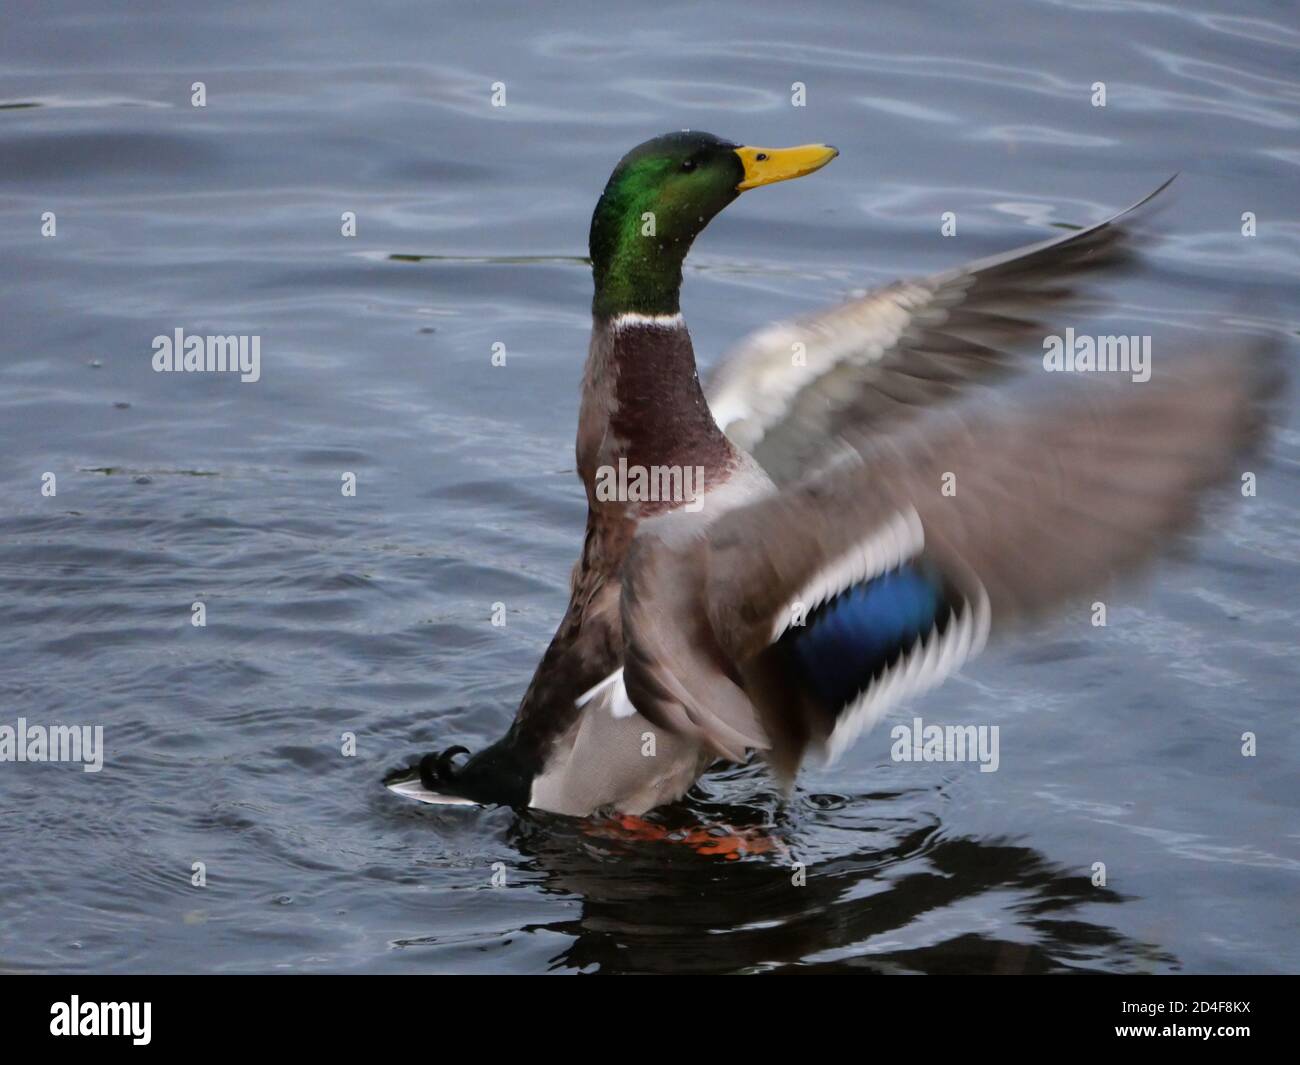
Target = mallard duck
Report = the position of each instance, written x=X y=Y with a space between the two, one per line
x=853 y=534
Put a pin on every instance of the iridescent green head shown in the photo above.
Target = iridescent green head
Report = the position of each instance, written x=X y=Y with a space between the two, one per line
x=661 y=194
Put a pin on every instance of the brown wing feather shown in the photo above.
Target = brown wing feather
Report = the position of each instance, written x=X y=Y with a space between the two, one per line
x=1050 y=503
x=789 y=392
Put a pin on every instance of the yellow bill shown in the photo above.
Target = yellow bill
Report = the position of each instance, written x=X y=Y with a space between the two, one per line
x=765 y=166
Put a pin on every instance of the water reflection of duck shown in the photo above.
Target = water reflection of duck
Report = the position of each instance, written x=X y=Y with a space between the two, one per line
x=907 y=896
x=844 y=552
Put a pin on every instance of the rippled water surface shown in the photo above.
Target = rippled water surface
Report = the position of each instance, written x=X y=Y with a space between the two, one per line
x=370 y=615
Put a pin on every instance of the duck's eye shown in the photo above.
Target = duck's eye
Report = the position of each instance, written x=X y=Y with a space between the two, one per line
x=761 y=157
x=689 y=165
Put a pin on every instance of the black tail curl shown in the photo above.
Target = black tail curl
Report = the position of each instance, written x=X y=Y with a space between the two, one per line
x=438 y=770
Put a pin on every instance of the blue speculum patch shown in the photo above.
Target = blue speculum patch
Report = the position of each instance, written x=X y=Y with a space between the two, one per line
x=845 y=642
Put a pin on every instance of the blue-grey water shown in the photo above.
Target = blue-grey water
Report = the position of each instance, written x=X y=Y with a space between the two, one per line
x=371 y=614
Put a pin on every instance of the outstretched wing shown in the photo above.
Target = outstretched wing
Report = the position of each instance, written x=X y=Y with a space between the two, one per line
x=786 y=393
x=829 y=600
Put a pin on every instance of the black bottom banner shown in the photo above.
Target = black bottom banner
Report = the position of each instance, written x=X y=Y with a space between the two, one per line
x=358 y=1013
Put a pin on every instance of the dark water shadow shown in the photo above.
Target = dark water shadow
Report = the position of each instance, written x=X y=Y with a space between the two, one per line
x=906 y=898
